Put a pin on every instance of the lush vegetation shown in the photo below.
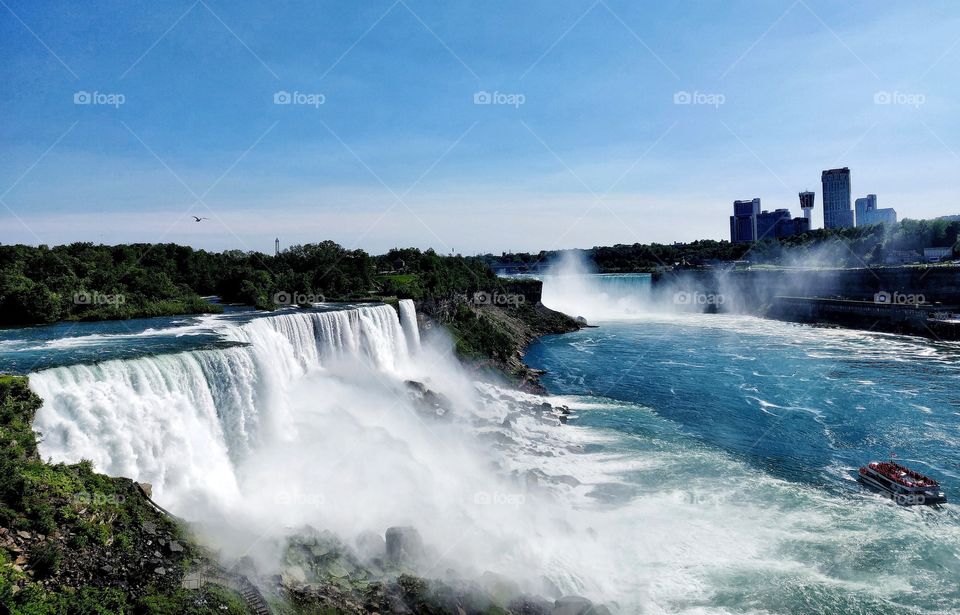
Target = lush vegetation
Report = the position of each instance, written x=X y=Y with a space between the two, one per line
x=854 y=247
x=83 y=281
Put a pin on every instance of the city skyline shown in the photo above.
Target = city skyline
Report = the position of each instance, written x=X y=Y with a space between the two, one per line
x=474 y=128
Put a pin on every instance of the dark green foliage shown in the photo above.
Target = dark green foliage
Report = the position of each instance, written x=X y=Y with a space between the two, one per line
x=82 y=281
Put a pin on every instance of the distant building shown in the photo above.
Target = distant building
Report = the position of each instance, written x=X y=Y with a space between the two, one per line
x=778 y=224
x=743 y=222
x=836 y=198
x=749 y=224
x=935 y=255
x=806 y=204
x=868 y=213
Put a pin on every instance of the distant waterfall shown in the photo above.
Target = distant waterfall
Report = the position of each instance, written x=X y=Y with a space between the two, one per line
x=597 y=296
x=182 y=421
x=408 y=318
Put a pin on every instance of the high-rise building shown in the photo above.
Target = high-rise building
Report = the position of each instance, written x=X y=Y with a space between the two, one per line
x=868 y=213
x=743 y=222
x=806 y=204
x=836 y=198
x=863 y=205
x=778 y=224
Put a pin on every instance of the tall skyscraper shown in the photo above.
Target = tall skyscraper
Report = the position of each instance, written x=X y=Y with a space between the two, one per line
x=743 y=222
x=836 y=198
x=806 y=204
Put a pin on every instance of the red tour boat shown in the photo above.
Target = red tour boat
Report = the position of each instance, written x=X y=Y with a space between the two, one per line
x=904 y=485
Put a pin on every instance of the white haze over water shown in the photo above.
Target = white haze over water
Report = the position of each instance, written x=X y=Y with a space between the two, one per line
x=573 y=288
x=311 y=423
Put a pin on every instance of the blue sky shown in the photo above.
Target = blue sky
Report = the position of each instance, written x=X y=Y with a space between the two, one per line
x=382 y=143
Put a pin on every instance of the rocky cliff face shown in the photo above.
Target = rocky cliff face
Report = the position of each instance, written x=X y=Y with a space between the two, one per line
x=492 y=329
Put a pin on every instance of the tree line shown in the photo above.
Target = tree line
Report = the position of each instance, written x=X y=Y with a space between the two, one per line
x=83 y=281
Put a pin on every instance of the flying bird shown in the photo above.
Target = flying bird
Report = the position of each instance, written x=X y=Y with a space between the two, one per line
x=198 y=219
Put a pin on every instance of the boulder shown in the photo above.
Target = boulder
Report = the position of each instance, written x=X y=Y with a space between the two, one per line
x=573 y=605
x=174 y=547
x=404 y=545
x=293 y=576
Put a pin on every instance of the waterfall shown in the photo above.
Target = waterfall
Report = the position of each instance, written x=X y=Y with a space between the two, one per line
x=184 y=421
x=310 y=420
x=597 y=296
x=408 y=318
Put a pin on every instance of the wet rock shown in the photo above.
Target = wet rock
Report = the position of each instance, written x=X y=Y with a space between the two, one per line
x=572 y=605
x=149 y=527
x=530 y=606
x=174 y=547
x=147 y=488
x=403 y=545
x=293 y=576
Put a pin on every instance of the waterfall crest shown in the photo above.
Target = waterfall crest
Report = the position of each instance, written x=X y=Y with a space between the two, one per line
x=183 y=421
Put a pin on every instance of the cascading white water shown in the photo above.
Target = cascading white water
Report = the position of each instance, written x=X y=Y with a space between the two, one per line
x=570 y=287
x=311 y=422
x=181 y=421
x=408 y=318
